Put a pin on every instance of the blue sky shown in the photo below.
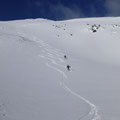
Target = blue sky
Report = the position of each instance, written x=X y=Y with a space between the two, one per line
x=57 y=9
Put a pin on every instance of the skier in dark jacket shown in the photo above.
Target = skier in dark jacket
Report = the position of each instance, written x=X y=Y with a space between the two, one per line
x=68 y=67
x=65 y=56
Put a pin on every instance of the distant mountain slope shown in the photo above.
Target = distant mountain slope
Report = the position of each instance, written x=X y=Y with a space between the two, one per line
x=36 y=82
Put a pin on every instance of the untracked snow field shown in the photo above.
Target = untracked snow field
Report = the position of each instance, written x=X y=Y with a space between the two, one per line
x=35 y=83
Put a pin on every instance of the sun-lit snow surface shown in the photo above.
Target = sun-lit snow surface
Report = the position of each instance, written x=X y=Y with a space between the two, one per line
x=34 y=81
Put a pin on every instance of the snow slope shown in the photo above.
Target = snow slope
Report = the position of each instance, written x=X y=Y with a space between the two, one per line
x=34 y=81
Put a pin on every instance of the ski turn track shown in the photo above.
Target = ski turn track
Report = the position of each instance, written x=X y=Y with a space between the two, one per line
x=54 y=57
x=51 y=54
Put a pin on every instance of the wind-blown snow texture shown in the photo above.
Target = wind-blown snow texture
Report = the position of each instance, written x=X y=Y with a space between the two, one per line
x=35 y=83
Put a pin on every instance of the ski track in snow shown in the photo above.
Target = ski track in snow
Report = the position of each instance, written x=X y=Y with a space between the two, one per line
x=51 y=55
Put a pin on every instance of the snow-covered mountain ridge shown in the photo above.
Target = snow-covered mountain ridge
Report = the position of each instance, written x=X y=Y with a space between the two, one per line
x=34 y=81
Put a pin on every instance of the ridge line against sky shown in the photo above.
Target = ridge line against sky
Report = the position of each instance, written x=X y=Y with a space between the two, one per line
x=58 y=9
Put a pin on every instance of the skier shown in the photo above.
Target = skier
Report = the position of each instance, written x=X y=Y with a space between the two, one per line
x=68 y=67
x=65 y=56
